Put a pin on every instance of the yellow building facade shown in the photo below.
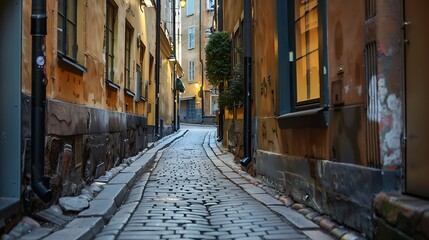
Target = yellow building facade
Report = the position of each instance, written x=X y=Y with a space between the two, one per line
x=100 y=87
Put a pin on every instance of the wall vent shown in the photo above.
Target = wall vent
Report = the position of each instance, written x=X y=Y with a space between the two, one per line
x=370 y=9
x=372 y=106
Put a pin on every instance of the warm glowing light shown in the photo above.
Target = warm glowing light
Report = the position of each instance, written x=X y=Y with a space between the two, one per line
x=197 y=85
x=182 y=3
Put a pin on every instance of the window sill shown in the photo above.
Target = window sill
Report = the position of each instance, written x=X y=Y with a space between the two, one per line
x=70 y=65
x=313 y=118
x=112 y=85
x=129 y=93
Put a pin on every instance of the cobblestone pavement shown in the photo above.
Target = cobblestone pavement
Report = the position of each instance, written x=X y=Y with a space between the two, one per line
x=187 y=197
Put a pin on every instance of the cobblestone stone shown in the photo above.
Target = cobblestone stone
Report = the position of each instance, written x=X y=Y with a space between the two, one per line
x=186 y=196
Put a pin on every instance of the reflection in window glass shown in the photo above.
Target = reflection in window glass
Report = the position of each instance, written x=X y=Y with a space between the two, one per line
x=307 y=54
x=313 y=72
x=301 y=79
x=66 y=28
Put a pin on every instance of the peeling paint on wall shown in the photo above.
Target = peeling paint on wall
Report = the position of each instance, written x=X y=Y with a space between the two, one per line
x=391 y=132
x=359 y=90
x=386 y=109
x=374 y=101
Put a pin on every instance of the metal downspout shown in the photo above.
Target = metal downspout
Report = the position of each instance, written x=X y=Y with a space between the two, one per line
x=202 y=66
x=175 y=127
x=219 y=11
x=248 y=82
x=39 y=183
x=157 y=63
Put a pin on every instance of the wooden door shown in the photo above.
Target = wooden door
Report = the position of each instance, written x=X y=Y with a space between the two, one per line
x=416 y=26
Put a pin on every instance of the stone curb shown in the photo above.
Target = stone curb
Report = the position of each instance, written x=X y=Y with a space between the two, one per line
x=91 y=221
x=213 y=150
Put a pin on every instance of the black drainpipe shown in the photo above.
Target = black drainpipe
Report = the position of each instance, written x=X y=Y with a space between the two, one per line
x=175 y=128
x=157 y=64
x=39 y=183
x=219 y=13
x=202 y=65
x=248 y=82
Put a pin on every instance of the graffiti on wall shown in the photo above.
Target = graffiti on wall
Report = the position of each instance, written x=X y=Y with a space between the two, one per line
x=388 y=114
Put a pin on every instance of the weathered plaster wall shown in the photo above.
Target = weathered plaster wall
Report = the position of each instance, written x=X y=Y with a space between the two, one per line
x=346 y=49
x=233 y=127
x=306 y=142
x=166 y=99
x=91 y=127
x=188 y=21
x=265 y=76
x=386 y=30
x=347 y=127
x=233 y=124
x=232 y=13
x=196 y=53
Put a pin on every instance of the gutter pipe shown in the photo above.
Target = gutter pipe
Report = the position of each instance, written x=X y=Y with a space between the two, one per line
x=202 y=66
x=39 y=182
x=175 y=127
x=157 y=63
x=248 y=82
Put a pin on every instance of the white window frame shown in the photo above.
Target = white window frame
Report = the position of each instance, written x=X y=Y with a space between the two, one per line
x=190 y=7
x=191 y=37
x=210 y=5
x=191 y=70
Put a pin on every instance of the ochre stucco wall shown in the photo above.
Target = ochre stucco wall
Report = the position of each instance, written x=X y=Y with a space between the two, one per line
x=89 y=88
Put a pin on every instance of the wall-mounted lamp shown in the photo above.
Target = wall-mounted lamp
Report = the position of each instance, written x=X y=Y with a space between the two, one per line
x=214 y=25
x=172 y=58
x=146 y=3
x=197 y=85
x=182 y=3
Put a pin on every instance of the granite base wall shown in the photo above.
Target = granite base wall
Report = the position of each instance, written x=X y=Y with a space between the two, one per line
x=82 y=143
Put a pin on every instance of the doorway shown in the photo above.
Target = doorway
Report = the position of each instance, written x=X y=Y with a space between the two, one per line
x=416 y=39
x=10 y=107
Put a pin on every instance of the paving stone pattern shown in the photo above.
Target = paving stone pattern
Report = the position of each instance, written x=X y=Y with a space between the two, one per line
x=187 y=197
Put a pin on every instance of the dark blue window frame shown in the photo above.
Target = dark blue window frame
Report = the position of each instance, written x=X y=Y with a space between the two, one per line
x=291 y=114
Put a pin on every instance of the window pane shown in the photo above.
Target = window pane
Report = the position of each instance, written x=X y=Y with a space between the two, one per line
x=303 y=6
x=307 y=54
x=311 y=27
x=71 y=10
x=61 y=32
x=141 y=53
x=312 y=4
x=210 y=4
x=299 y=8
x=70 y=40
x=191 y=37
x=313 y=63
x=61 y=7
x=189 y=7
x=110 y=40
x=191 y=71
x=300 y=38
x=301 y=79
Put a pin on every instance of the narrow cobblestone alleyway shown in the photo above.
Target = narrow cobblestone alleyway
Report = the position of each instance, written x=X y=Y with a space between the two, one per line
x=187 y=197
